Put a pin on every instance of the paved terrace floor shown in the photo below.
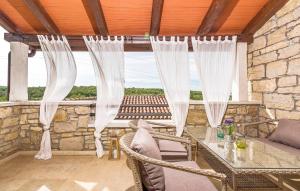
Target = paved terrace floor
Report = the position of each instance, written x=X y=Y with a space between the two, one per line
x=70 y=173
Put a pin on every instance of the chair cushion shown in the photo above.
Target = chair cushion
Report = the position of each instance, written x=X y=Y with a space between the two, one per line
x=170 y=146
x=280 y=146
x=176 y=180
x=174 y=156
x=143 y=124
x=287 y=133
x=152 y=175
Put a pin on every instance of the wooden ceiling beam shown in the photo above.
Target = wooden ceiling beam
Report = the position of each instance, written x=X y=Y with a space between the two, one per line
x=7 y=24
x=40 y=13
x=266 y=12
x=157 y=8
x=94 y=11
x=216 y=16
x=131 y=43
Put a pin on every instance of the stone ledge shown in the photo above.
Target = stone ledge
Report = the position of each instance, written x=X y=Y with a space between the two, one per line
x=87 y=103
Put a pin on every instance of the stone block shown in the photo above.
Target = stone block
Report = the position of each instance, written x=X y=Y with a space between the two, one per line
x=276 y=46
x=265 y=58
x=279 y=101
x=283 y=114
x=289 y=90
x=289 y=51
x=82 y=110
x=60 y=115
x=11 y=136
x=294 y=32
x=264 y=85
x=288 y=7
x=277 y=36
x=259 y=42
x=294 y=67
x=83 y=121
x=33 y=115
x=10 y=121
x=256 y=72
x=196 y=117
x=285 y=19
x=276 y=68
x=23 y=119
x=287 y=81
x=62 y=127
x=71 y=143
x=5 y=112
x=254 y=96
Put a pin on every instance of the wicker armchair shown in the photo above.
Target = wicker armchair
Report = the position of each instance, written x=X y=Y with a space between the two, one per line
x=133 y=159
x=165 y=136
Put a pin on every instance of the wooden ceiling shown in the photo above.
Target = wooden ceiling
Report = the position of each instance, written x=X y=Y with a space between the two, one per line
x=136 y=17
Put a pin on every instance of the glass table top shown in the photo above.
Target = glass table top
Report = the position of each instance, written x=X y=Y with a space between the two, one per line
x=257 y=154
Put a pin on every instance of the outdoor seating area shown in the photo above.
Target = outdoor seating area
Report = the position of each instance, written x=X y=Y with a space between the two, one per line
x=239 y=59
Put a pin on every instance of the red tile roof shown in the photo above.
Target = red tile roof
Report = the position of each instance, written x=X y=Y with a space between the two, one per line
x=144 y=107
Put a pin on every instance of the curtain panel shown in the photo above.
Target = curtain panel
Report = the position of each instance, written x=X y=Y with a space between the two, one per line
x=216 y=65
x=108 y=62
x=61 y=75
x=173 y=68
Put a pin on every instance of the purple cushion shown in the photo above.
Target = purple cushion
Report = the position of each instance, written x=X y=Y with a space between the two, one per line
x=152 y=175
x=287 y=132
x=176 y=180
x=170 y=146
x=143 y=124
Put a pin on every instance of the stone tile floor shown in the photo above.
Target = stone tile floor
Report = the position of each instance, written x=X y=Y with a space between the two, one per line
x=73 y=173
x=65 y=173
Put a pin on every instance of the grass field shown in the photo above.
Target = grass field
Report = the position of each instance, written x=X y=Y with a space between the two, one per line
x=89 y=92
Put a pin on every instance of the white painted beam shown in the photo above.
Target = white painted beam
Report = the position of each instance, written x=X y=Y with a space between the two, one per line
x=18 y=72
x=240 y=81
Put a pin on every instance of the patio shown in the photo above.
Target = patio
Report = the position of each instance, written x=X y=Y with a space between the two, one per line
x=247 y=54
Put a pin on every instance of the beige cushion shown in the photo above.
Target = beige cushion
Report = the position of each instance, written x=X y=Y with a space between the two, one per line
x=176 y=180
x=171 y=146
x=143 y=124
x=287 y=132
x=152 y=175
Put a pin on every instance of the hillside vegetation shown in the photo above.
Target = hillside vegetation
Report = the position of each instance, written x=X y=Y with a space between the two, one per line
x=89 y=92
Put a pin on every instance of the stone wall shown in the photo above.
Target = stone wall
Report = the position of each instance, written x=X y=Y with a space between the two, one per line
x=20 y=128
x=274 y=64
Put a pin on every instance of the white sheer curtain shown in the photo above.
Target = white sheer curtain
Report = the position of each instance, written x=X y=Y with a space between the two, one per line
x=173 y=68
x=108 y=61
x=61 y=75
x=216 y=63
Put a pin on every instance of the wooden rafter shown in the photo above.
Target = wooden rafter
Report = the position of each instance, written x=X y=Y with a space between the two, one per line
x=268 y=10
x=217 y=14
x=7 y=24
x=157 y=8
x=94 y=11
x=39 y=12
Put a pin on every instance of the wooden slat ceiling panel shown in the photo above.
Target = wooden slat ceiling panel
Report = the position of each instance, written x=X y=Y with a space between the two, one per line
x=130 y=17
x=241 y=15
x=23 y=10
x=14 y=15
x=69 y=16
x=183 y=17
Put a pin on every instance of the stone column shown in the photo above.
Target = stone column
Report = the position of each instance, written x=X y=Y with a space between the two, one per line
x=18 y=72
x=240 y=81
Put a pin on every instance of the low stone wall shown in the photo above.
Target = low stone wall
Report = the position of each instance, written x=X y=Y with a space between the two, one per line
x=20 y=128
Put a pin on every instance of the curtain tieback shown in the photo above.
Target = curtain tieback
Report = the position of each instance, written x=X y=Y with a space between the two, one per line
x=97 y=135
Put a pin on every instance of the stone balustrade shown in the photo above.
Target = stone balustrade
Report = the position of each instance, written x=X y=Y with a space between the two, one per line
x=70 y=130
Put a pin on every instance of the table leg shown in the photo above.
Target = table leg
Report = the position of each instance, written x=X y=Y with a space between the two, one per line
x=234 y=186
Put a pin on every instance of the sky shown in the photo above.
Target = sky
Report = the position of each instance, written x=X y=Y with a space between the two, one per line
x=140 y=69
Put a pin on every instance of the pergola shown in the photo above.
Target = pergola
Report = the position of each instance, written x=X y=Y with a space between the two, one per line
x=133 y=19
